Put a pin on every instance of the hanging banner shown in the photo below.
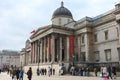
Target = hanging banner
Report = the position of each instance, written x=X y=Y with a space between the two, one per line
x=71 y=40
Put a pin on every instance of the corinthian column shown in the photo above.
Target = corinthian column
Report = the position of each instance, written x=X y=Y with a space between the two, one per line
x=53 y=48
x=60 y=49
x=68 y=42
x=79 y=43
x=41 y=50
x=48 y=49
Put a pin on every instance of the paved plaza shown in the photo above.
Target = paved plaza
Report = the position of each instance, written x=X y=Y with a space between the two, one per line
x=4 y=76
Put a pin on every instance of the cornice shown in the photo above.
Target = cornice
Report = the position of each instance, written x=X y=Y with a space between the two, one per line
x=50 y=27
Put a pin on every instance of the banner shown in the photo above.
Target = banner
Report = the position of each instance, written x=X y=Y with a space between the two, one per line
x=71 y=40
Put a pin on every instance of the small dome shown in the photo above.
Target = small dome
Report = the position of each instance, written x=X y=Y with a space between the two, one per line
x=62 y=11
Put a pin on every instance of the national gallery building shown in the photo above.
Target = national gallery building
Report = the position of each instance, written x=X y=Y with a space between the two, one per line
x=88 y=41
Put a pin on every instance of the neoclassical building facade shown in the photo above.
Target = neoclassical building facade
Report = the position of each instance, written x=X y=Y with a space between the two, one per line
x=68 y=42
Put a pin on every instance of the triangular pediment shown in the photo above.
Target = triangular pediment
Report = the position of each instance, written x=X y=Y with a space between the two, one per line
x=46 y=30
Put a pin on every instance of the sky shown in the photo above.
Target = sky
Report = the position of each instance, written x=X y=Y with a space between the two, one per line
x=19 y=17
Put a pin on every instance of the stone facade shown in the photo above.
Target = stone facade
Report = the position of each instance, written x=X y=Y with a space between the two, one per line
x=86 y=41
x=9 y=59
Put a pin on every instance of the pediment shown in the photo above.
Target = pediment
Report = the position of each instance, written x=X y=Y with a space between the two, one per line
x=44 y=31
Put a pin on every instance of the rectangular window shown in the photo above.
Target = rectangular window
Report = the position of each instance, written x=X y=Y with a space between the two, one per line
x=106 y=35
x=108 y=54
x=97 y=56
x=95 y=37
x=118 y=49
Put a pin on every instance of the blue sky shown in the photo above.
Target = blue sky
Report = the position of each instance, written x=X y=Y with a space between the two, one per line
x=19 y=17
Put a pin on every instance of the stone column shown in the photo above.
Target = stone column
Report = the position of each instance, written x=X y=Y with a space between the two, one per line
x=48 y=46
x=68 y=49
x=60 y=49
x=33 y=52
x=44 y=48
x=87 y=46
x=79 y=50
x=41 y=51
x=31 y=55
x=53 y=48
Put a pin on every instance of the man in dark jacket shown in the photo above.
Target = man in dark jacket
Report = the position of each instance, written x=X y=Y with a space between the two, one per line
x=110 y=72
x=29 y=73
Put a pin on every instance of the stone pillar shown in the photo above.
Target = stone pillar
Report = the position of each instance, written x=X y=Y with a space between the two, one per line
x=79 y=49
x=87 y=46
x=68 y=49
x=36 y=51
x=60 y=49
x=39 y=42
x=53 y=48
x=44 y=48
x=48 y=46
x=31 y=55
x=33 y=52
x=41 y=50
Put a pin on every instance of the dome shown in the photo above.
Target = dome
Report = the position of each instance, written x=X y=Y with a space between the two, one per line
x=62 y=11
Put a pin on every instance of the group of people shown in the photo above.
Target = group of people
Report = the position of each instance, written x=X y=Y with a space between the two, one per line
x=108 y=72
x=83 y=71
x=105 y=71
x=44 y=71
x=16 y=73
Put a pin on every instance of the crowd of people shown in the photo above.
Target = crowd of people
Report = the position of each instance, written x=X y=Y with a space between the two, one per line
x=81 y=71
x=44 y=71
x=16 y=73
x=104 y=71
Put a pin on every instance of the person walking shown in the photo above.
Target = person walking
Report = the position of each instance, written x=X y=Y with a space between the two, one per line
x=29 y=73
x=21 y=74
x=17 y=73
x=114 y=72
x=110 y=72
x=95 y=71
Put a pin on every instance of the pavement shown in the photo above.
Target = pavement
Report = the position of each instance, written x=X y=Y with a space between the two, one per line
x=5 y=76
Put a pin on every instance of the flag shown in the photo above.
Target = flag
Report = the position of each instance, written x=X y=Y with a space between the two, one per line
x=33 y=31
